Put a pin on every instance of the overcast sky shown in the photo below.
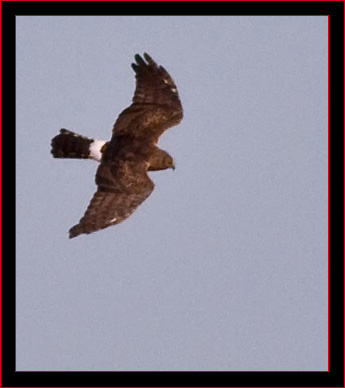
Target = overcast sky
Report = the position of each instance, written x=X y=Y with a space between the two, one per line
x=224 y=266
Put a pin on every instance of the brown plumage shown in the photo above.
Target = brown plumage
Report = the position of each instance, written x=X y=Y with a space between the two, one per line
x=121 y=178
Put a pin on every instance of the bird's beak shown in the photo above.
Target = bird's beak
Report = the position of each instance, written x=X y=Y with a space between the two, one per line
x=173 y=167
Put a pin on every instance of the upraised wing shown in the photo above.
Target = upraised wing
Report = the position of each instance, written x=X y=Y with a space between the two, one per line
x=156 y=104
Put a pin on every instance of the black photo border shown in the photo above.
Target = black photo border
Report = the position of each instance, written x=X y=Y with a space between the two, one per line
x=334 y=377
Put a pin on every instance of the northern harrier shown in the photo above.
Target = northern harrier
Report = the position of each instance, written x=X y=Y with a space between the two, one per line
x=121 y=178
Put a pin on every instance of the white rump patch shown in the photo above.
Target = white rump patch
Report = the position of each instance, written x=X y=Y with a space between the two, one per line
x=95 y=149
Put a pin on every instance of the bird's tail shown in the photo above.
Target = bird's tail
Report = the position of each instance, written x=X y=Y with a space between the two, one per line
x=68 y=144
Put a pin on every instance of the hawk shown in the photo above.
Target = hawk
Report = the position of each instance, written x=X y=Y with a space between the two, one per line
x=121 y=178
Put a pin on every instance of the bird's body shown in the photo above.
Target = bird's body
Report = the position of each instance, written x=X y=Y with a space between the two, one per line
x=121 y=178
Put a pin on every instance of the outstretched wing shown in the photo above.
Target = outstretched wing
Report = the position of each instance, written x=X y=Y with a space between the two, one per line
x=156 y=104
x=122 y=187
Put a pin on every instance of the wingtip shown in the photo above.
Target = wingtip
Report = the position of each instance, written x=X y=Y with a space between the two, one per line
x=74 y=231
x=141 y=62
x=139 y=59
x=149 y=58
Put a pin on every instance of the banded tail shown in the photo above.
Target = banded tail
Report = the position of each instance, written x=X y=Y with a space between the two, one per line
x=69 y=144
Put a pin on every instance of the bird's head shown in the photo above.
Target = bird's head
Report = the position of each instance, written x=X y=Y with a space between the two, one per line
x=160 y=160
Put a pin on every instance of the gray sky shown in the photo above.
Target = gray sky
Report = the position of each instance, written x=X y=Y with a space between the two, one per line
x=224 y=266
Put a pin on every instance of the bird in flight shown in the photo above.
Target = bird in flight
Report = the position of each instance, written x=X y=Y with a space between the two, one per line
x=121 y=178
